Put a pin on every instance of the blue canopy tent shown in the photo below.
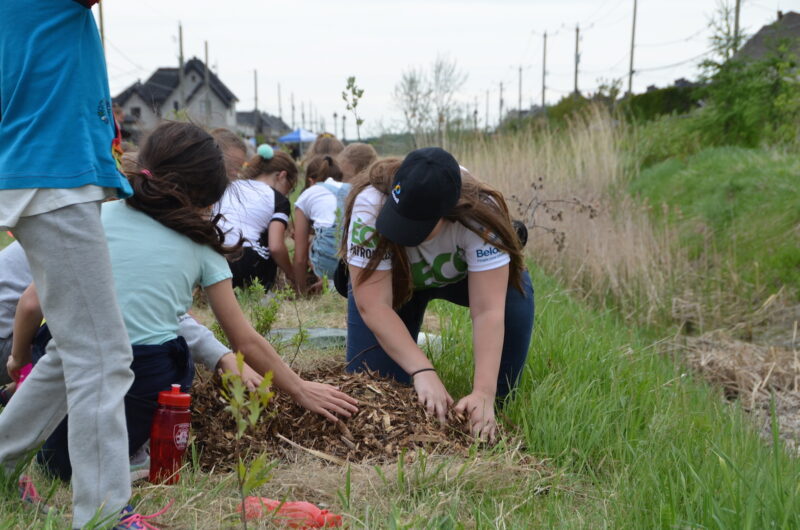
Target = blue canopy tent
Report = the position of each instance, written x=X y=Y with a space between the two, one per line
x=298 y=136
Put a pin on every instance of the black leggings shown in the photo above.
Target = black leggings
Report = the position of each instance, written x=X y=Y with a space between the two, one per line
x=155 y=368
x=251 y=265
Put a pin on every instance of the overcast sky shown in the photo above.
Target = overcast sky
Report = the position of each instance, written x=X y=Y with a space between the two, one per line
x=310 y=47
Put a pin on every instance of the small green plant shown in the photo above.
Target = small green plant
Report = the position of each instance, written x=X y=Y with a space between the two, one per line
x=246 y=407
x=351 y=96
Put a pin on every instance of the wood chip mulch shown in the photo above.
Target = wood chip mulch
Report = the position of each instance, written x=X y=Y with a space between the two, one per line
x=389 y=420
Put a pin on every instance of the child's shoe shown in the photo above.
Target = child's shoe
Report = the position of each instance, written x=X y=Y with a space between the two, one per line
x=131 y=520
x=29 y=495
x=140 y=463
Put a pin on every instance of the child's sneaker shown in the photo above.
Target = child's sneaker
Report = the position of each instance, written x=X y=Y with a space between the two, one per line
x=29 y=495
x=140 y=463
x=131 y=520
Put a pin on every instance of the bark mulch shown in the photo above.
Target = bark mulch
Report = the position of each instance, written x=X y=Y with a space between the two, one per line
x=389 y=420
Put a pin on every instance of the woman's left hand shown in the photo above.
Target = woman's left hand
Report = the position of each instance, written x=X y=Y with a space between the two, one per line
x=479 y=408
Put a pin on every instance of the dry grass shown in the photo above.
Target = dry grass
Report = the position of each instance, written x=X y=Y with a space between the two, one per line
x=618 y=252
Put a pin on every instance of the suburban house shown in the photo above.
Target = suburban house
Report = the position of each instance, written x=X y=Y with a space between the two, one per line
x=785 y=29
x=270 y=126
x=167 y=94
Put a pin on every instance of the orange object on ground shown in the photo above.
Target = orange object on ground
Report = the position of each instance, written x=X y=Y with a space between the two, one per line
x=9 y=233
x=294 y=514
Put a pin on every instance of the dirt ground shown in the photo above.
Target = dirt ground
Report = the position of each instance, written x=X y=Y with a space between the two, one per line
x=753 y=371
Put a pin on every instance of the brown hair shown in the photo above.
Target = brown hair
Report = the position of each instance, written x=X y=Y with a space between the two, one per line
x=280 y=161
x=227 y=140
x=480 y=208
x=322 y=168
x=359 y=156
x=325 y=144
x=180 y=172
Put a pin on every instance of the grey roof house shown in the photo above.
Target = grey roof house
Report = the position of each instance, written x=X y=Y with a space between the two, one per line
x=160 y=98
x=785 y=28
x=271 y=126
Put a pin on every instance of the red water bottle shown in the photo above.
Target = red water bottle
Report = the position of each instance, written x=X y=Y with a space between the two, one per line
x=169 y=435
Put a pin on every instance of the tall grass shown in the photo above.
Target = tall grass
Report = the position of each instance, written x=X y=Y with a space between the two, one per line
x=616 y=256
x=621 y=255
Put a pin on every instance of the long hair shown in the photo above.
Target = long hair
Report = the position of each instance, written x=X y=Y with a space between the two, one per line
x=321 y=168
x=359 y=155
x=179 y=174
x=325 y=144
x=480 y=208
x=280 y=161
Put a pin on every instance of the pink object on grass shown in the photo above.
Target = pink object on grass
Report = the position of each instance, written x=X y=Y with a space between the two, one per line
x=294 y=514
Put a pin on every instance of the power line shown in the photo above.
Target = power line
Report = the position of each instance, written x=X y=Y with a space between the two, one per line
x=673 y=65
x=686 y=39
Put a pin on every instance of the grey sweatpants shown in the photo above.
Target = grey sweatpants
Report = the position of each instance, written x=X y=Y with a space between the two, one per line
x=87 y=367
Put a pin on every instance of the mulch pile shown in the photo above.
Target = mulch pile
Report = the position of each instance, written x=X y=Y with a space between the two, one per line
x=389 y=420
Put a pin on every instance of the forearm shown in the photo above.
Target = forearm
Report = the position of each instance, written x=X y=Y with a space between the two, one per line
x=263 y=358
x=394 y=338
x=280 y=253
x=300 y=267
x=27 y=320
x=488 y=332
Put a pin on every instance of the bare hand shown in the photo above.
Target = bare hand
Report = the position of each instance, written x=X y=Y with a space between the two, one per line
x=14 y=366
x=432 y=394
x=250 y=377
x=480 y=410
x=326 y=400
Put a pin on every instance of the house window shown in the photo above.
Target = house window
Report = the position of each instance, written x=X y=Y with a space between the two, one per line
x=175 y=106
x=193 y=78
x=136 y=112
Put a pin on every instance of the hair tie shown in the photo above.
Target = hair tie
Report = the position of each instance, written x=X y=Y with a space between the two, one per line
x=329 y=160
x=265 y=151
x=146 y=172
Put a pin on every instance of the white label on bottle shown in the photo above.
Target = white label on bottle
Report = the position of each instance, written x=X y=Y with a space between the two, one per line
x=181 y=436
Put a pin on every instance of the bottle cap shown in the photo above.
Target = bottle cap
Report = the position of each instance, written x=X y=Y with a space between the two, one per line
x=174 y=397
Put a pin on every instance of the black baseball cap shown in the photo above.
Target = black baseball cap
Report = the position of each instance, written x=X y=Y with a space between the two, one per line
x=425 y=188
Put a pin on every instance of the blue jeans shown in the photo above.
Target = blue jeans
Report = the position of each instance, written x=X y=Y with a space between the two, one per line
x=363 y=350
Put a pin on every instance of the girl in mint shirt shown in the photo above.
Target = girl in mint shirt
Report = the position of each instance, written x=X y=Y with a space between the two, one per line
x=163 y=242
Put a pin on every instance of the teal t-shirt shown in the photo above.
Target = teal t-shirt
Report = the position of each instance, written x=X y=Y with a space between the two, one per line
x=56 y=124
x=155 y=270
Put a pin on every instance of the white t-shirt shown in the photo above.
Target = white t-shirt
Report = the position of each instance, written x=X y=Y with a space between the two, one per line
x=319 y=204
x=248 y=207
x=445 y=259
x=26 y=202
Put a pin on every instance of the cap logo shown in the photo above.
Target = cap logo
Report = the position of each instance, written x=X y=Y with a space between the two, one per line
x=396 y=193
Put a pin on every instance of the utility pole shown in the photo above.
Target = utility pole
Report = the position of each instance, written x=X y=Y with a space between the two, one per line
x=735 y=25
x=280 y=106
x=544 y=68
x=257 y=113
x=208 y=89
x=103 y=25
x=303 y=115
x=475 y=115
x=519 y=98
x=344 y=127
x=487 y=111
x=577 y=55
x=335 y=123
x=294 y=126
x=633 y=41
x=181 y=73
x=500 y=117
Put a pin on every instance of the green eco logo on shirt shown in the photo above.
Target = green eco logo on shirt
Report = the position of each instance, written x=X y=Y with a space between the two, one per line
x=363 y=234
x=446 y=268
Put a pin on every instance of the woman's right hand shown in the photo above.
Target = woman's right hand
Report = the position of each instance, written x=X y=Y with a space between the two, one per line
x=326 y=400
x=432 y=394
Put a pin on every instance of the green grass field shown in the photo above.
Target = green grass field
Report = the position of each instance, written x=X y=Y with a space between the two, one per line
x=605 y=431
x=744 y=203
